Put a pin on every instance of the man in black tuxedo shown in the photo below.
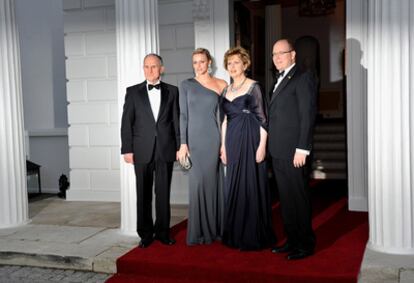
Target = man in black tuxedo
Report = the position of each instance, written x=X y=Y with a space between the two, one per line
x=292 y=111
x=150 y=138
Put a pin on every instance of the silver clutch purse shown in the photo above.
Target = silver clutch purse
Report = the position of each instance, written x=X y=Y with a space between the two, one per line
x=185 y=163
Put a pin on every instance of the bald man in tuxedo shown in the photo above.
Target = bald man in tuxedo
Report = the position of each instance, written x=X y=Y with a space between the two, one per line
x=292 y=111
x=150 y=138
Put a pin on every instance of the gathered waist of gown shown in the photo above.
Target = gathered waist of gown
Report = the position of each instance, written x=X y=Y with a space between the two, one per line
x=242 y=114
x=243 y=130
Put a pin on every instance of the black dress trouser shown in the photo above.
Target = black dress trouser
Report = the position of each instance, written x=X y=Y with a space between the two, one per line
x=295 y=204
x=144 y=173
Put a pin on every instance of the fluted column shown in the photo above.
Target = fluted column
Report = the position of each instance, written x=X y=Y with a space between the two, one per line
x=212 y=30
x=136 y=36
x=13 y=188
x=391 y=125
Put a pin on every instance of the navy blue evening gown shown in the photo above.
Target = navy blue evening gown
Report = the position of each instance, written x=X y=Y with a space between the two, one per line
x=247 y=223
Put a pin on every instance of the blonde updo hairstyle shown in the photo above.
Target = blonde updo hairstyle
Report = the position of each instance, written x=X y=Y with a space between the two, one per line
x=203 y=51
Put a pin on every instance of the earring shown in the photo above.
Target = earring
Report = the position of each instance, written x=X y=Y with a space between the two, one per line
x=209 y=70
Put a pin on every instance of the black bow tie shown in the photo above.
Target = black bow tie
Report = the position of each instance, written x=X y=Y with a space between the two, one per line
x=280 y=74
x=157 y=86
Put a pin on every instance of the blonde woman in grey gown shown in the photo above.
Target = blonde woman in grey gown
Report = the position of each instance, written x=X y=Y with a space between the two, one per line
x=200 y=140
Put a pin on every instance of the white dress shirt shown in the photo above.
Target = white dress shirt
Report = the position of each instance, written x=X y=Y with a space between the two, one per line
x=154 y=96
x=280 y=78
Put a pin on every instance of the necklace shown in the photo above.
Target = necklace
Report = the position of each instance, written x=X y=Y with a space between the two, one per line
x=235 y=89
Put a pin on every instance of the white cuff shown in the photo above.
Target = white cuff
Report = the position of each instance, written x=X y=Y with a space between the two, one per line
x=304 y=151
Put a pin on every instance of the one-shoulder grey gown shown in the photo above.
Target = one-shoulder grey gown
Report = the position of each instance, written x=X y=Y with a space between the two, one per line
x=199 y=128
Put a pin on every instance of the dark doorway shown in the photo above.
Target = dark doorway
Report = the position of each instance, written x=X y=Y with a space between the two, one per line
x=320 y=28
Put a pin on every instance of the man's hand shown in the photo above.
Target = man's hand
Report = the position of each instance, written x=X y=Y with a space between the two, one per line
x=299 y=159
x=129 y=158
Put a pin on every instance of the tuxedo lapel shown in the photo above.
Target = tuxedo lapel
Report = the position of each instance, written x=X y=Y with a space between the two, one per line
x=283 y=84
x=143 y=93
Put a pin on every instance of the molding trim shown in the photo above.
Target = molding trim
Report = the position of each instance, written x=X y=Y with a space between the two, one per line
x=55 y=132
x=49 y=190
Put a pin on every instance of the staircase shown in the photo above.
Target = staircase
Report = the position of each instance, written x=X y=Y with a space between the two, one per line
x=329 y=150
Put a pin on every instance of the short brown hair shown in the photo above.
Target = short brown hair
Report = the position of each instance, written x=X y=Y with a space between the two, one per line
x=241 y=52
x=203 y=51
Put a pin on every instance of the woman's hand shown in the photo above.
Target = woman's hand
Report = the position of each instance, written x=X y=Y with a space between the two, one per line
x=223 y=155
x=183 y=152
x=260 y=154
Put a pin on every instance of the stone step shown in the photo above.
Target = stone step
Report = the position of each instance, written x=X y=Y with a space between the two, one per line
x=322 y=137
x=330 y=128
x=329 y=164
x=329 y=155
x=329 y=174
x=329 y=146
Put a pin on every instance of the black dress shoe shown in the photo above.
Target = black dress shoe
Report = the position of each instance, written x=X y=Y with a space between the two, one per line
x=166 y=241
x=282 y=249
x=145 y=243
x=299 y=254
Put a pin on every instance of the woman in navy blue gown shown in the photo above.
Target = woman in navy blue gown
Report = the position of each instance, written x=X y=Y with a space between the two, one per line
x=247 y=223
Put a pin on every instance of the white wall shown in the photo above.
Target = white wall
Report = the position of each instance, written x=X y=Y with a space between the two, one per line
x=357 y=104
x=90 y=48
x=176 y=46
x=49 y=148
x=176 y=39
x=40 y=25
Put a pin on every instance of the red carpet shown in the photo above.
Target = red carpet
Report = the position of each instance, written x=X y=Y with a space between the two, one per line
x=341 y=239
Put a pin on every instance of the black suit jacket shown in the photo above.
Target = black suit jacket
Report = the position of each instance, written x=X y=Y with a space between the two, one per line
x=140 y=133
x=292 y=112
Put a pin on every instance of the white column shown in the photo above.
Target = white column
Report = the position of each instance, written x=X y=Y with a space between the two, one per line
x=356 y=98
x=13 y=188
x=212 y=31
x=391 y=125
x=273 y=15
x=136 y=36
